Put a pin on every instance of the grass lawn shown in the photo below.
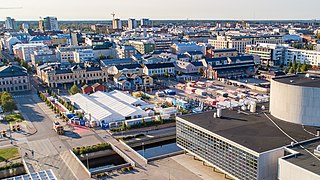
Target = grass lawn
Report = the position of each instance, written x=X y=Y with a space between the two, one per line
x=14 y=117
x=9 y=153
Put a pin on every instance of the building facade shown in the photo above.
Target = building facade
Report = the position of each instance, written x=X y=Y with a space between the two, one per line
x=14 y=79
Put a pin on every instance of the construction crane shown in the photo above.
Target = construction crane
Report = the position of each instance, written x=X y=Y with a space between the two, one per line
x=113 y=15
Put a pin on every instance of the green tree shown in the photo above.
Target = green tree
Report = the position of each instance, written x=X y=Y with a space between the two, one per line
x=101 y=57
x=200 y=71
x=291 y=70
x=294 y=65
x=179 y=73
x=166 y=73
x=74 y=90
x=304 y=68
x=154 y=76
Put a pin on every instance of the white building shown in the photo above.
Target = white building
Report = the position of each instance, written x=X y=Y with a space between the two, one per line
x=10 y=42
x=82 y=55
x=104 y=108
x=159 y=69
x=303 y=56
x=27 y=49
x=240 y=42
x=66 y=54
x=181 y=48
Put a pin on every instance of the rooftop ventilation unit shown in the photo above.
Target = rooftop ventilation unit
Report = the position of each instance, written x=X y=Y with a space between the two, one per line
x=317 y=151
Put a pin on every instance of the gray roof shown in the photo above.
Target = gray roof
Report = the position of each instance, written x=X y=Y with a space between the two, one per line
x=300 y=80
x=304 y=159
x=254 y=131
x=12 y=71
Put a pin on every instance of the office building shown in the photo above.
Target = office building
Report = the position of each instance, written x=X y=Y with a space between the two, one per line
x=181 y=48
x=132 y=24
x=48 y=24
x=303 y=56
x=269 y=54
x=216 y=53
x=10 y=24
x=145 y=22
x=82 y=55
x=24 y=51
x=240 y=42
x=14 y=79
x=242 y=145
x=116 y=24
x=125 y=51
x=143 y=46
x=66 y=54
x=43 y=56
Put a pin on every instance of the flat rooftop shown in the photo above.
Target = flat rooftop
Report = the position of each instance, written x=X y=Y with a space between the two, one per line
x=300 y=80
x=304 y=159
x=254 y=131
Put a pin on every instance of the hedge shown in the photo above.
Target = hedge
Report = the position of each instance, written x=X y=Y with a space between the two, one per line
x=91 y=149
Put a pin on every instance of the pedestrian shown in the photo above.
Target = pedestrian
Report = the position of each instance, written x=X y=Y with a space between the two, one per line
x=32 y=152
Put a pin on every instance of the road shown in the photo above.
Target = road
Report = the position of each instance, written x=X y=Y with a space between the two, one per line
x=6 y=55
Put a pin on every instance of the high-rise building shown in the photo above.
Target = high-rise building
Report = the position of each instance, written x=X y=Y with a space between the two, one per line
x=49 y=24
x=10 y=23
x=116 y=24
x=132 y=23
x=145 y=22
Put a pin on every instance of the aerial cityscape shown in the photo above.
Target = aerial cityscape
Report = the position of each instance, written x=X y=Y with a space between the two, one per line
x=170 y=90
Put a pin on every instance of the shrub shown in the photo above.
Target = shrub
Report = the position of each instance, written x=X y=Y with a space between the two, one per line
x=90 y=149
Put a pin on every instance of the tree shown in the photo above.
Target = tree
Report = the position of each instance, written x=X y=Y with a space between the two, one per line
x=74 y=90
x=294 y=65
x=166 y=73
x=291 y=71
x=200 y=71
x=7 y=102
x=154 y=76
x=179 y=73
x=101 y=57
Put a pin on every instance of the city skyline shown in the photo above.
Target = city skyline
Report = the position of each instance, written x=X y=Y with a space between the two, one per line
x=217 y=10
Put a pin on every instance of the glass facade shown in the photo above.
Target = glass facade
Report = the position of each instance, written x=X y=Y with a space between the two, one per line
x=223 y=155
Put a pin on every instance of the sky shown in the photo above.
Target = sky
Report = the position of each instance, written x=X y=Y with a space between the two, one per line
x=162 y=9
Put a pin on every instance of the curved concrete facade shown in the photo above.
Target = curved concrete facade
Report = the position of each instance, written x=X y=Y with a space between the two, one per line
x=295 y=104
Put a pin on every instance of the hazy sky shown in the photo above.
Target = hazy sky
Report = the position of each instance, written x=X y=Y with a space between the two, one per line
x=162 y=9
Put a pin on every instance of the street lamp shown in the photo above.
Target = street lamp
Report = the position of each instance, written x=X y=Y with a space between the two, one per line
x=87 y=161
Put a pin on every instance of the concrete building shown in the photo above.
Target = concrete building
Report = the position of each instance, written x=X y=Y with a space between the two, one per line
x=10 y=42
x=14 y=79
x=303 y=56
x=240 y=42
x=49 y=24
x=143 y=46
x=229 y=67
x=66 y=54
x=217 y=53
x=116 y=24
x=55 y=75
x=242 y=145
x=126 y=51
x=296 y=99
x=299 y=163
x=145 y=22
x=132 y=24
x=10 y=24
x=82 y=55
x=181 y=48
x=43 y=56
x=159 y=69
x=272 y=54
x=26 y=50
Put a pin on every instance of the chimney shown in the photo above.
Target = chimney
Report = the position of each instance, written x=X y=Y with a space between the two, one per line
x=318 y=132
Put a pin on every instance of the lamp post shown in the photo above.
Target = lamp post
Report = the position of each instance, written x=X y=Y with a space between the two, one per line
x=87 y=161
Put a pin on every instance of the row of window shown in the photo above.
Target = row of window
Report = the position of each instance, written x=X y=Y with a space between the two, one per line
x=7 y=82
x=233 y=160
x=12 y=89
